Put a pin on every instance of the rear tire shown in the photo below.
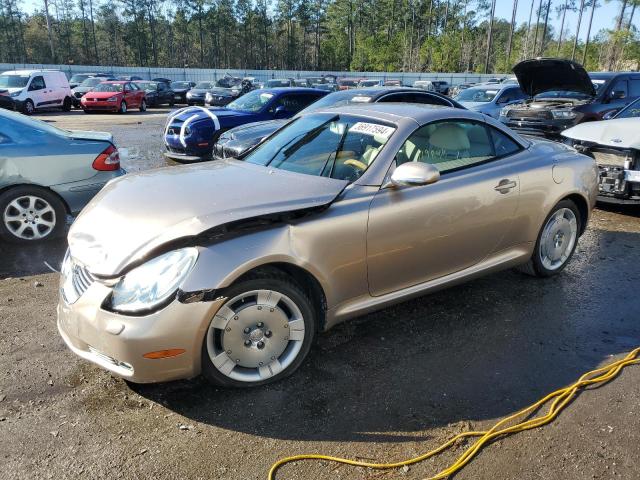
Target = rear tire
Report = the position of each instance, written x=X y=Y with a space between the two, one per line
x=123 y=107
x=143 y=105
x=261 y=334
x=556 y=242
x=31 y=214
x=67 y=104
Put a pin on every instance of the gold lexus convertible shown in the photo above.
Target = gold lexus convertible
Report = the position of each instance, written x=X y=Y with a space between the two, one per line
x=230 y=268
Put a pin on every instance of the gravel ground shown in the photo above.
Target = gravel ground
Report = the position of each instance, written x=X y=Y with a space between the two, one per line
x=385 y=386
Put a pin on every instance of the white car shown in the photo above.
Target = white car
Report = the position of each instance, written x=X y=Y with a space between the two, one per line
x=615 y=145
x=34 y=89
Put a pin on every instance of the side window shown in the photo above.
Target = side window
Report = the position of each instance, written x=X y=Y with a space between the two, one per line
x=634 y=87
x=502 y=144
x=162 y=87
x=619 y=86
x=293 y=103
x=448 y=145
x=37 y=83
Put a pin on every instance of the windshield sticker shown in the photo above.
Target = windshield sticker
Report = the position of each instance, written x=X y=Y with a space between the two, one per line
x=361 y=98
x=372 y=129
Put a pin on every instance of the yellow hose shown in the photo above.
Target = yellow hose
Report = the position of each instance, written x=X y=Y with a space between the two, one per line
x=561 y=397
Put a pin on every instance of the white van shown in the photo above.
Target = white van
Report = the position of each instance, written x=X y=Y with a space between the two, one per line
x=33 y=89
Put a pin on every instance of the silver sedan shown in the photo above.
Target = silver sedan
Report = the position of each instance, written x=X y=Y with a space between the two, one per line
x=47 y=173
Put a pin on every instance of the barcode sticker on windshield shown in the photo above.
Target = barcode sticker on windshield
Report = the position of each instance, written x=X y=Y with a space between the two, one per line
x=373 y=129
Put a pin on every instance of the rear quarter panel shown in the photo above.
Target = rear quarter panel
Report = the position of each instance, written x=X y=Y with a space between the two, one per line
x=556 y=172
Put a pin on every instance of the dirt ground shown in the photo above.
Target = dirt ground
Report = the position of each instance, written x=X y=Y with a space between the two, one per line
x=385 y=386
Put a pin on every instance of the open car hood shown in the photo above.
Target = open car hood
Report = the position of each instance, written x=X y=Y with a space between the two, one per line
x=135 y=216
x=617 y=133
x=540 y=75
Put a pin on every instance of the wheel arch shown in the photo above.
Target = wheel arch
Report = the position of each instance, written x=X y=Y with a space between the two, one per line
x=41 y=187
x=583 y=208
x=301 y=276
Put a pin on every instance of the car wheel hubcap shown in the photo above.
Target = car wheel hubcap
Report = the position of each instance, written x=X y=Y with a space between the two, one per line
x=255 y=335
x=29 y=107
x=29 y=217
x=558 y=239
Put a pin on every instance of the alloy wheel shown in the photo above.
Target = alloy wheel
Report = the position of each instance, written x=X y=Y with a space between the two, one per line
x=558 y=238
x=29 y=217
x=255 y=335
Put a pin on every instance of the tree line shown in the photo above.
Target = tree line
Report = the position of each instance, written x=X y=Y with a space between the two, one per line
x=357 y=35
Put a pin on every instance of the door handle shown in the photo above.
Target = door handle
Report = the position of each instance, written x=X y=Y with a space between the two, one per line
x=505 y=185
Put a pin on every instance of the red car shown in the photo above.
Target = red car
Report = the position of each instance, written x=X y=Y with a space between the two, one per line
x=114 y=97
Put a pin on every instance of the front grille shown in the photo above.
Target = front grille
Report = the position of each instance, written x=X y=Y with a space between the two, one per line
x=180 y=150
x=218 y=150
x=81 y=279
x=530 y=114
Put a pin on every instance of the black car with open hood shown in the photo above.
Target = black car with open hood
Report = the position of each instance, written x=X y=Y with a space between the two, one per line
x=563 y=94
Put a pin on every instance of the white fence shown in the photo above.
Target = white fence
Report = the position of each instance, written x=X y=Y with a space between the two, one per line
x=197 y=74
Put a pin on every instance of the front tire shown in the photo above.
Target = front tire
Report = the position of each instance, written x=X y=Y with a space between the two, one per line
x=556 y=241
x=123 y=107
x=30 y=214
x=28 y=108
x=261 y=334
x=143 y=105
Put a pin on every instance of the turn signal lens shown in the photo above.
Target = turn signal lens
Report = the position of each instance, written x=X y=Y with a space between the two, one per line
x=108 y=160
x=172 y=352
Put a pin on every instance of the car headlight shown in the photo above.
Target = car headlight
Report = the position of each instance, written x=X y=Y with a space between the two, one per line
x=153 y=282
x=563 y=114
x=189 y=94
x=112 y=99
x=15 y=94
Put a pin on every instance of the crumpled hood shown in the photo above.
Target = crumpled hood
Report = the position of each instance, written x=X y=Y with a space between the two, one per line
x=618 y=132
x=221 y=113
x=540 y=75
x=137 y=213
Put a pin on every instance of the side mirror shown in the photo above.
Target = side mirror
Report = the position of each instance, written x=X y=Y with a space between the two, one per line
x=610 y=114
x=412 y=174
x=280 y=112
x=617 y=94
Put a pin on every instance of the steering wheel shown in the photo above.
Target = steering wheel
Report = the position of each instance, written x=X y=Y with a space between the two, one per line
x=356 y=164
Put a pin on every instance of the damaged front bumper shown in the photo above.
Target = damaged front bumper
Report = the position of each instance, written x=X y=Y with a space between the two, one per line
x=119 y=343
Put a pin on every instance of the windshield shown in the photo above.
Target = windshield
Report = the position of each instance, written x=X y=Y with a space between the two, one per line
x=108 y=87
x=205 y=85
x=325 y=145
x=630 y=111
x=337 y=99
x=278 y=83
x=251 y=102
x=180 y=85
x=369 y=83
x=484 y=95
x=347 y=82
x=562 y=94
x=13 y=81
x=597 y=84
x=91 y=82
x=314 y=80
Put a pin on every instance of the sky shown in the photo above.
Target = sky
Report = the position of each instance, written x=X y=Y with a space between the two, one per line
x=603 y=18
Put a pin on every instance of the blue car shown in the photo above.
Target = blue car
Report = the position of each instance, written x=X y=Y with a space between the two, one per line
x=191 y=132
